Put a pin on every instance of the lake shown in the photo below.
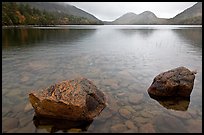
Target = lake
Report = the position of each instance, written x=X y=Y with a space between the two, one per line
x=121 y=60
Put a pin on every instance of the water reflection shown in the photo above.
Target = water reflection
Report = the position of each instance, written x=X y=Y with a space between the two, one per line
x=53 y=125
x=192 y=36
x=141 y=32
x=120 y=62
x=174 y=103
x=16 y=37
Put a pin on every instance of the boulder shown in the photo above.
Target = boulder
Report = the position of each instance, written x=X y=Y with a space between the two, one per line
x=74 y=100
x=176 y=82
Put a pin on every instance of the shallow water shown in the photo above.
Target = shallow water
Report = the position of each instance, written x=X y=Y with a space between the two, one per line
x=121 y=61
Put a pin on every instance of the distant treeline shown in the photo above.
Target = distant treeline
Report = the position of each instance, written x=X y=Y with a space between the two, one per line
x=23 y=14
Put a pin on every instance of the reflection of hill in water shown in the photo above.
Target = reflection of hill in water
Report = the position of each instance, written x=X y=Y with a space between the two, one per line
x=141 y=32
x=192 y=35
x=28 y=36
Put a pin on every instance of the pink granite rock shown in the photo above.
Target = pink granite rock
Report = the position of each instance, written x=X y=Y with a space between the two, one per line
x=76 y=100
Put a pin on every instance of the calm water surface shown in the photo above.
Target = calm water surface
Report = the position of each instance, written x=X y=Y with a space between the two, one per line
x=121 y=61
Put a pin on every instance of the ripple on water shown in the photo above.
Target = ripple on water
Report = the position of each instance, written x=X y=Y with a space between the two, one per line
x=123 y=73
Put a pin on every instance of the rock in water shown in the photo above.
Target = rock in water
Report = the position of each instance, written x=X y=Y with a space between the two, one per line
x=75 y=100
x=175 y=82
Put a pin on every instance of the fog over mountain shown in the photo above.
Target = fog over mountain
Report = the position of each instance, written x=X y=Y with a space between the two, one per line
x=146 y=17
x=66 y=14
x=62 y=8
x=192 y=15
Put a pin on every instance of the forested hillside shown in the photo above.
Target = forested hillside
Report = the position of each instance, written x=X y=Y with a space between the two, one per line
x=23 y=14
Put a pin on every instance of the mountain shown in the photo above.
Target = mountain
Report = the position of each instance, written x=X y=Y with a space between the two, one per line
x=146 y=17
x=62 y=8
x=125 y=19
x=192 y=15
x=59 y=13
x=45 y=13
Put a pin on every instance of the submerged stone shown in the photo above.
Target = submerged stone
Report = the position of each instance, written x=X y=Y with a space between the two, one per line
x=175 y=82
x=75 y=100
x=169 y=124
x=54 y=125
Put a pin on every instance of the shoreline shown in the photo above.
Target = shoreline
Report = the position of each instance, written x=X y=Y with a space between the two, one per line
x=28 y=26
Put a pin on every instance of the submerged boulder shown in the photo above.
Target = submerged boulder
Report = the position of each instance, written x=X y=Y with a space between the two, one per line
x=56 y=125
x=75 y=100
x=176 y=82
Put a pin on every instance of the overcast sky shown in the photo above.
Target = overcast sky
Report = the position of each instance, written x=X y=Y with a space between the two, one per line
x=109 y=11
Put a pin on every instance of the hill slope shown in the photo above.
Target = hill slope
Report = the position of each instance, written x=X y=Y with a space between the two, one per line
x=44 y=13
x=125 y=19
x=61 y=8
x=58 y=13
x=146 y=17
x=192 y=15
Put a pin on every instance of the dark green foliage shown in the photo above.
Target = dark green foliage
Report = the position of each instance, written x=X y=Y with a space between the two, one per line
x=23 y=14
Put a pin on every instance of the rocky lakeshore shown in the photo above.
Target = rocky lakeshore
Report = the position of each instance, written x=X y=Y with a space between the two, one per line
x=129 y=108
